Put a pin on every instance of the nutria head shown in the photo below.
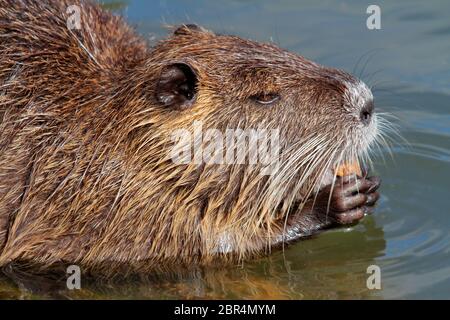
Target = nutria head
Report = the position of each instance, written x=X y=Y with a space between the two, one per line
x=97 y=151
x=197 y=79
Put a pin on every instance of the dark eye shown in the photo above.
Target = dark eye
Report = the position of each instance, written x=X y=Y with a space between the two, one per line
x=265 y=98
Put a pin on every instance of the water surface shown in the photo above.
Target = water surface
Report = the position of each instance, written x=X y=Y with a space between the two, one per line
x=407 y=63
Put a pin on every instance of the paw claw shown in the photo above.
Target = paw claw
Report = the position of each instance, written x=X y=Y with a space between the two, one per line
x=372 y=198
x=348 y=203
x=376 y=181
x=353 y=197
x=350 y=216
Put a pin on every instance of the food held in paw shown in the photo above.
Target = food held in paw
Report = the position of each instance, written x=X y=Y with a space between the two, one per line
x=348 y=168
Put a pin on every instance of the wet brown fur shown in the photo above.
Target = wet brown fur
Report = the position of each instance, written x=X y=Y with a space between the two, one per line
x=84 y=172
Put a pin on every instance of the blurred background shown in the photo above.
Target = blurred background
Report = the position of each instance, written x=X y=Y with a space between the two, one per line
x=407 y=65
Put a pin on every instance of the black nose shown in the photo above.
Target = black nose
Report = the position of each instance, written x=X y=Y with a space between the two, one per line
x=366 y=112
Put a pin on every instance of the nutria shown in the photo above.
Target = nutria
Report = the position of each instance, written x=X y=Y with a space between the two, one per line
x=86 y=123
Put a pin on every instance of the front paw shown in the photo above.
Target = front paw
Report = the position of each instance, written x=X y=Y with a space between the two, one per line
x=351 y=198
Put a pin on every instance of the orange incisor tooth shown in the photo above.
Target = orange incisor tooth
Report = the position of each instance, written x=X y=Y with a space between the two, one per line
x=348 y=169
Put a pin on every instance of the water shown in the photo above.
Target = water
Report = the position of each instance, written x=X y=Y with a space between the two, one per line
x=407 y=63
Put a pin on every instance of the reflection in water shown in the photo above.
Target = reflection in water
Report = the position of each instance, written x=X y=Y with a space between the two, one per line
x=332 y=265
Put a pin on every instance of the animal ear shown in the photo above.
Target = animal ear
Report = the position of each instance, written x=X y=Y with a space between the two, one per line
x=187 y=29
x=177 y=86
